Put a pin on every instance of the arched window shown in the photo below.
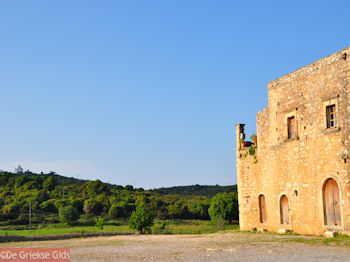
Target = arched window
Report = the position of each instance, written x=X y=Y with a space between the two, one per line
x=284 y=210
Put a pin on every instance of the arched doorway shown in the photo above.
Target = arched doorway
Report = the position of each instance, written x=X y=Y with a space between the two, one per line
x=331 y=203
x=262 y=209
x=284 y=210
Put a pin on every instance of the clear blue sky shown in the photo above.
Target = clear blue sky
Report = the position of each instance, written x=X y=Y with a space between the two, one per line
x=147 y=92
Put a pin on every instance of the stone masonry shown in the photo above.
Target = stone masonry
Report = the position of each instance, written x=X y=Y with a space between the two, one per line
x=298 y=178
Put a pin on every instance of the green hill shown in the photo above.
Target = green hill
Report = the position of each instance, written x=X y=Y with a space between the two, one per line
x=47 y=193
x=196 y=190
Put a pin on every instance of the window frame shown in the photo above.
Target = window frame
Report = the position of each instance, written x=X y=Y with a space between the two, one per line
x=291 y=124
x=287 y=116
x=331 y=116
x=326 y=104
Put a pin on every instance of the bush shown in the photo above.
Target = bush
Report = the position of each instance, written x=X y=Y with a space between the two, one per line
x=162 y=227
x=99 y=222
x=68 y=214
x=141 y=219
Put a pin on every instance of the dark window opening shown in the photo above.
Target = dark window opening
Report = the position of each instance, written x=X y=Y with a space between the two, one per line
x=284 y=210
x=262 y=209
x=330 y=115
x=291 y=126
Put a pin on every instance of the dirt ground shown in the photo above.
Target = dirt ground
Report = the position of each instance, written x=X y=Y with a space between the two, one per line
x=231 y=246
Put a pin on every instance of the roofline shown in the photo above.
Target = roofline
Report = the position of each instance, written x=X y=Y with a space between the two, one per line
x=315 y=63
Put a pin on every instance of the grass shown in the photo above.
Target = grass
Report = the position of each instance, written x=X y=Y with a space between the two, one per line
x=53 y=230
x=188 y=227
x=340 y=241
x=185 y=227
x=160 y=227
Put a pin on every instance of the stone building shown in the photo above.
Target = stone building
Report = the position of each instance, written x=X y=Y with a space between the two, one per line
x=298 y=176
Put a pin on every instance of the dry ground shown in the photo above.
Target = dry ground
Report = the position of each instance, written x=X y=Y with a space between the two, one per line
x=229 y=246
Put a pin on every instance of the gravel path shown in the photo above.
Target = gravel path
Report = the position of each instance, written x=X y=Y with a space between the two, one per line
x=232 y=246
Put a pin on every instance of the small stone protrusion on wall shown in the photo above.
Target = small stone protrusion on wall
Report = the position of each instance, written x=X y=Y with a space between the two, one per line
x=344 y=56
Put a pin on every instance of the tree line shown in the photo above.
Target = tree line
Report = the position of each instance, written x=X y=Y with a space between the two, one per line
x=53 y=197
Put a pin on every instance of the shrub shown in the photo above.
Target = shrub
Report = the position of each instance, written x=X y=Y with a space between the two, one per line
x=253 y=137
x=99 y=222
x=251 y=150
x=68 y=214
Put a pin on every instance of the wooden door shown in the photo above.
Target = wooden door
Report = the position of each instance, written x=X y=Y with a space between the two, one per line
x=332 y=213
x=284 y=209
x=262 y=208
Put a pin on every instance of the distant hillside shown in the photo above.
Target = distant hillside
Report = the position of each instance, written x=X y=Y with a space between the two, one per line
x=46 y=194
x=196 y=190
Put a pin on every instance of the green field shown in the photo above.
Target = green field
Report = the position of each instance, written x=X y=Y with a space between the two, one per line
x=188 y=227
x=63 y=230
x=160 y=227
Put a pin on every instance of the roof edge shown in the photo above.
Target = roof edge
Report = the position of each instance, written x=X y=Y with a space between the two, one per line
x=310 y=66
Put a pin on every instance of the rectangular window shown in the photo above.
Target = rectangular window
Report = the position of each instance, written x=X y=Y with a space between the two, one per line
x=330 y=115
x=291 y=126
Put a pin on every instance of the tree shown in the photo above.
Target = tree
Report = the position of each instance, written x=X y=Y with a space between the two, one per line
x=118 y=210
x=87 y=207
x=20 y=180
x=49 y=183
x=142 y=200
x=68 y=214
x=141 y=219
x=225 y=206
x=179 y=209
x=94 y=188
x=198 y=208
x=129 y=187
x=92 y=207
x=11 y=211
x=41 y=196
x=49 y=206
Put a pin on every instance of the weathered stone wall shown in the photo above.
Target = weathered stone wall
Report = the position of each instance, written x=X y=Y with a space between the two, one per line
x=298 y=167
x=247 y=183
